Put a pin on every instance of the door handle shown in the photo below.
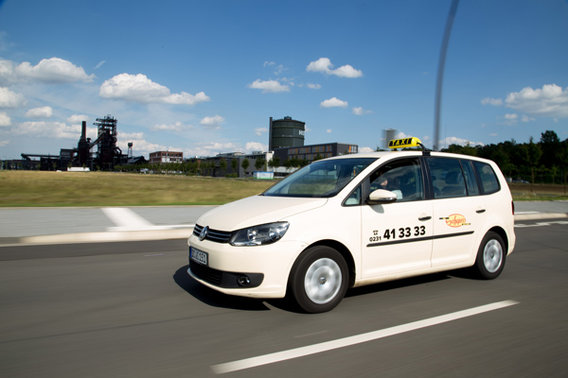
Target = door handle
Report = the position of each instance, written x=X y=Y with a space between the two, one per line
x=480 y=211
x=425 y=218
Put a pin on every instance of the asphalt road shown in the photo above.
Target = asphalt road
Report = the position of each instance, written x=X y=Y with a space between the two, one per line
x=129 y=310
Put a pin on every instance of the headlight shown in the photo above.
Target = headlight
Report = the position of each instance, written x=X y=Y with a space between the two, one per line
x=259 y=235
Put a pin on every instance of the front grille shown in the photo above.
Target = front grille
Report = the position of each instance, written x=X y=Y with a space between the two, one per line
x=213 y=235
x=213 y=276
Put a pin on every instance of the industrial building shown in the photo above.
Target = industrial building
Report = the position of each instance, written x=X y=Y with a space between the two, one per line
x=285 y=132
x=314 y=152
x=106 y=156
x=166 y=157
x=286 y=152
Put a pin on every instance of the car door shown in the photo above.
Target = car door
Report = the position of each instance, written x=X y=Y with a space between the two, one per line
x=458 y=210
x=397 y=237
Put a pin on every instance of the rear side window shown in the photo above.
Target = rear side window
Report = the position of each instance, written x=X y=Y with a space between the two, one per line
x=470 y=180
x=489 y=182
x=447 y=177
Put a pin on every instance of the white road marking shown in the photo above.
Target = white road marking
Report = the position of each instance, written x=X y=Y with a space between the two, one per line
x=540 y=224
x=127 y=220
x=266 y=359
x=123 y=217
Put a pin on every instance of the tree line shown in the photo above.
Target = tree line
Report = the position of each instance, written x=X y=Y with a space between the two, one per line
x=545 y=161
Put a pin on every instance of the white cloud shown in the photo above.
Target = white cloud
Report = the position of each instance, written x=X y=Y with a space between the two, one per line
x=4 y=143
x=269 y=86
x=526 y=118
x=313 y=86
x=549 y=101
x=461 y=141
x=329 y=131
x=511 y=116
x=325 y=66
x=212 y=149
x=278 y=68
x=140 y=146
x=41 y=112
x=6 y=71
x=59 y=130
x=360 y=111
x=100 y=64
x=214 y=121
x=334 y=102
x=492 y=101
x=131 y=136
x=139 y=88
x=255 y=146
x=52 y=130
x=261 y=130
x=77 y=118
x=365 y=150
x=5 y=119
x=174 y=127
x=54 y=70
x=9 y=99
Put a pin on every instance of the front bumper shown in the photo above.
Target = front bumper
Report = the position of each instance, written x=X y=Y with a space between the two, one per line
x=258 y=272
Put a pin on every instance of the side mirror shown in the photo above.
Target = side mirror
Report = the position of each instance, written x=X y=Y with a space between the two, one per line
x=381 y=196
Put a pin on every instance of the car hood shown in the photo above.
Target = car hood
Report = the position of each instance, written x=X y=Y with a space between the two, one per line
x=252 y=211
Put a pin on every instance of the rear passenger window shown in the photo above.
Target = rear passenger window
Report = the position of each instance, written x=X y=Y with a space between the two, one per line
x=470 y=181
x=489 y=182
x=447 y=177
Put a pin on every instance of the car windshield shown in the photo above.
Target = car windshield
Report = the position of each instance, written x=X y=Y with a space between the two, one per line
x=323 y=178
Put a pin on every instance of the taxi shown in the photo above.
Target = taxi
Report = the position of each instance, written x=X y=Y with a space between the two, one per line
x=355 y=220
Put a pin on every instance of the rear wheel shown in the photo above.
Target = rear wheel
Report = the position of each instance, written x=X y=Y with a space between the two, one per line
x=490 y=256
x=319 y=279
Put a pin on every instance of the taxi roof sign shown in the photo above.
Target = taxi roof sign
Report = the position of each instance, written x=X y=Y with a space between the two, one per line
x=405 y=142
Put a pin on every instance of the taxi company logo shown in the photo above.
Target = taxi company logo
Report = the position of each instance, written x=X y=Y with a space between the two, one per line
x=456 y=220
x=203 y=233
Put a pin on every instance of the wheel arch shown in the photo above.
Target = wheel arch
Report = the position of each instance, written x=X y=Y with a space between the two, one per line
x=503 y=234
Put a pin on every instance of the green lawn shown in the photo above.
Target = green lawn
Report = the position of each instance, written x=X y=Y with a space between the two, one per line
x=33 y=188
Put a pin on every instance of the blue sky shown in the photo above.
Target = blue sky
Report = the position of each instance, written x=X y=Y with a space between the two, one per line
x=203 y=77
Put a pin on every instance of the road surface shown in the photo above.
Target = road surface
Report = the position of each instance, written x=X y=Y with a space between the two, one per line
x=129 y=310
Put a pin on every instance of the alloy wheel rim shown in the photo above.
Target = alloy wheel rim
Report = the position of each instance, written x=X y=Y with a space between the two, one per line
x=322 y=280
x=492 y=256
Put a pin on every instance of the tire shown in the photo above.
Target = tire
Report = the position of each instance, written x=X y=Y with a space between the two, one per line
x=491 y=257
x=319 y=279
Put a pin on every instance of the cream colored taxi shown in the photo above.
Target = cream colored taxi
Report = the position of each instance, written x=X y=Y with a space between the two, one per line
x=355 y=220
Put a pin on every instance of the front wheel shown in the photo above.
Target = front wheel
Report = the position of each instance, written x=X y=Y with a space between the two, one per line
x=491 y=256
x=319 y=279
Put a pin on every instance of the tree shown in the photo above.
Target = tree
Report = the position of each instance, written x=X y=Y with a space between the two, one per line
x=274 y=162
x=245 y=164
x=551 y=149
x=535 y=154
x=259 y=163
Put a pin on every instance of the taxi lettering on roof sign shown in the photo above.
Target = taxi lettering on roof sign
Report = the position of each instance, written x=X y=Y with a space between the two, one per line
x=355 y=220
x=405 y=142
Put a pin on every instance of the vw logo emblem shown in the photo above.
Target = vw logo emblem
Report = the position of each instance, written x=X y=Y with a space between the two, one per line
x=203 y=233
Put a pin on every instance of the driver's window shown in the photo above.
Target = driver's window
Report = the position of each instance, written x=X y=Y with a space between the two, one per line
x=402 y=177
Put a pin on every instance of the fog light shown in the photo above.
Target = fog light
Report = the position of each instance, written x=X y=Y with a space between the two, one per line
x=243 y=281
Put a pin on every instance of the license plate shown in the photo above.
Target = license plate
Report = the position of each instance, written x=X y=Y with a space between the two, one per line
x=198 y=256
